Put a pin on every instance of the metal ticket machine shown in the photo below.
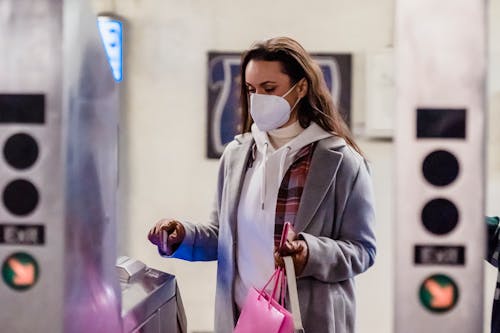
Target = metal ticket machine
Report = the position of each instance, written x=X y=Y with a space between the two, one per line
x=58 y=183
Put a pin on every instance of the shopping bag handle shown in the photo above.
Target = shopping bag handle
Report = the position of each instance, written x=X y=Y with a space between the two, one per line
x=292 y=293
x=276 y=277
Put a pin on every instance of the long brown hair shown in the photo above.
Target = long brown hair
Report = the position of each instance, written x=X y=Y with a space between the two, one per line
x=318 y=105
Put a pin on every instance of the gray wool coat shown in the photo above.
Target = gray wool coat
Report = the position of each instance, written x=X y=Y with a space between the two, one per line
x=335 y=218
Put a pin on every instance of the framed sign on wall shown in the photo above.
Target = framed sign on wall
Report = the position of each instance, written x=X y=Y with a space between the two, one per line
x=223 y=90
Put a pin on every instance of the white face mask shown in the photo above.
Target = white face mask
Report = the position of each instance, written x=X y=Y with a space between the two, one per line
x=270 y=111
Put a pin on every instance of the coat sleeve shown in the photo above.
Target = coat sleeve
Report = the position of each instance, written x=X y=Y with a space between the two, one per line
x=353 y=251
x=493 y=240
x=201 y=240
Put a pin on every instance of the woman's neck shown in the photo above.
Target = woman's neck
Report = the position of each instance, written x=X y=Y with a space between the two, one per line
x=281 y=136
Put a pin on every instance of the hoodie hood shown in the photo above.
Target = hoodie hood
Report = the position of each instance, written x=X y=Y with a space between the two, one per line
x=275 y=162
x=309 y=135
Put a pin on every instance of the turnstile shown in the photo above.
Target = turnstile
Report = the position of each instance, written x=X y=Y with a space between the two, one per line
x=59 y=181
x=151 y=302
x=441 y=49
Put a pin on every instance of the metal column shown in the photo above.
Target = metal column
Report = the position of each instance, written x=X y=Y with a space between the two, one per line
x=441 y=68
x=58 y=133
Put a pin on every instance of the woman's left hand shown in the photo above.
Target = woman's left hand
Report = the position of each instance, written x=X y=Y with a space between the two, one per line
x=298 y=250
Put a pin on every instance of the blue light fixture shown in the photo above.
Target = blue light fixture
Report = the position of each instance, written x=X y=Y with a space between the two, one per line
x=111 y=30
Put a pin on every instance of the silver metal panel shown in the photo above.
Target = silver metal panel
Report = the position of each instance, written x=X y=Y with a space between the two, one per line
x=144 y=294
x=167 y=316
x=92 y=300
x=54 y=49
x=30 y=62
x=441 y=63
x=151 y=325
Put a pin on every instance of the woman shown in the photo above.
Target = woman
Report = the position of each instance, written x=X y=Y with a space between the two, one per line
x=294 y=161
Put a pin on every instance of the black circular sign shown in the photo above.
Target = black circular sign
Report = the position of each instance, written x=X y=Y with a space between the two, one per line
x=440 y=216
x=20 y=197
x=20 y=151
x=440 y=168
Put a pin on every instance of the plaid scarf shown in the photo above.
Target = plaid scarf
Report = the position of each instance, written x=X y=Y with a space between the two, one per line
x=291 y=189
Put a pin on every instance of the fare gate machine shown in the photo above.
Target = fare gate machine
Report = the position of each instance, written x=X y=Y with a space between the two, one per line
x=58 y=183
x=440 y=237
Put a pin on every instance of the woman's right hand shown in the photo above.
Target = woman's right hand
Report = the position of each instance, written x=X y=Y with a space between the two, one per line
x=175 y=231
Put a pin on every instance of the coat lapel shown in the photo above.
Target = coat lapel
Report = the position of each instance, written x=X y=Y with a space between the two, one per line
x=237 y=167
x=324 y=165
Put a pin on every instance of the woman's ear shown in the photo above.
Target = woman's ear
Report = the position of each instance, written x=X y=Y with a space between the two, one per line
x=303 y=86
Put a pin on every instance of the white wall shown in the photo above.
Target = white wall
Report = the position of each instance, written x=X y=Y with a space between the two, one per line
x=164 y=169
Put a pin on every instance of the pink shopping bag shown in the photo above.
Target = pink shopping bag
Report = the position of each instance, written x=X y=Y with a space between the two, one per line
x=262 y=313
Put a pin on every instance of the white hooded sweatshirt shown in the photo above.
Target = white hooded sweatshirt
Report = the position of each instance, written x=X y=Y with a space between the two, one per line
x=257 y=207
